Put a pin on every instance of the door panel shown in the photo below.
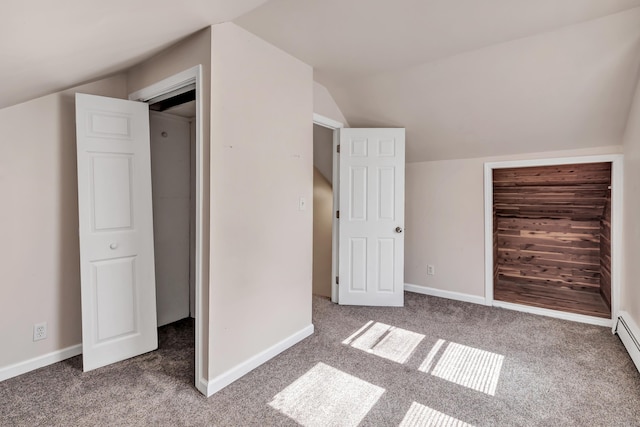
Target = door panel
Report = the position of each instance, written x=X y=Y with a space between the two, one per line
x=116 y=230
x=371 y=195
x=114 y=284
x=111 y=196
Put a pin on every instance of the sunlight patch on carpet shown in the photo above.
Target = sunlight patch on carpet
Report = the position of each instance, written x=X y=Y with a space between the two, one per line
x=326 y=396
x=466 y=366
x=428 y=361
x=422 y=416
x=385 y=341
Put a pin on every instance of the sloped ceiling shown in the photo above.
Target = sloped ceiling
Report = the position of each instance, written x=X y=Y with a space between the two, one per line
x=467 y=78
x=46 y=46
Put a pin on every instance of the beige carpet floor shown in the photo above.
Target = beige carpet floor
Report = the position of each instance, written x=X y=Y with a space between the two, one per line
x=434 y=362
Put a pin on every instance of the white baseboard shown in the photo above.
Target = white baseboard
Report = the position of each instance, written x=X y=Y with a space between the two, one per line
x=39 y=362
x=235 y=373
x=591 y=320
x=458 y=296
x=629 y=334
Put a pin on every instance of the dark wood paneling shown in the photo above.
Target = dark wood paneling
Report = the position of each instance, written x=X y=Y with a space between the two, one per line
x=555 y=252
x=552 y=238
x=605 y=252
x=558 y=298
x=567 y=191
x=578 y=174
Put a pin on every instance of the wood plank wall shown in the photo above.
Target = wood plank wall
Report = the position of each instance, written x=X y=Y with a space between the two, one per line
x=576 y=192
x=551 y=252
x=548 y=225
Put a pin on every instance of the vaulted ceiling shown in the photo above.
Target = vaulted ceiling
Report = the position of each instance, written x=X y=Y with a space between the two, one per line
x=46 y=46
x=466 y=78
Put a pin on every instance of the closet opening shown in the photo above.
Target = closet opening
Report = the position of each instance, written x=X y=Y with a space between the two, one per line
x=178 y=169
x=172 y=131
x=552 y=237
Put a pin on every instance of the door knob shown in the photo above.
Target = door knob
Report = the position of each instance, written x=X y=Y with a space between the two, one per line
x=113 y=245
x=398 y=229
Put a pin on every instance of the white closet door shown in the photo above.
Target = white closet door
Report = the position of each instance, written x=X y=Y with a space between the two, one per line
x=116 y=230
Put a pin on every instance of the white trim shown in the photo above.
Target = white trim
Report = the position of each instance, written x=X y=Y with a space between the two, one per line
x=629 y=336
x=184 y=78
x=616 y=225
x=238 y=371
x=321 y=120
x=335 y=227
x=591 y=320
x=617 y=202
x=554 y=161
x=458 y=296
x=169 y=84
x=334 y=125
x=488 y=234
x=39 y=362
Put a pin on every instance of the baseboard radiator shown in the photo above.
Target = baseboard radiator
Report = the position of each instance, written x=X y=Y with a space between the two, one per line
x=629 y=334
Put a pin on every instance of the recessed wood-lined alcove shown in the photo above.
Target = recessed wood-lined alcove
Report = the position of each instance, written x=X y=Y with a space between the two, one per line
x=552 y=244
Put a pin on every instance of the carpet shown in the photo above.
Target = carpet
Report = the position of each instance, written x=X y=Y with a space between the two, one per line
x=434 y=362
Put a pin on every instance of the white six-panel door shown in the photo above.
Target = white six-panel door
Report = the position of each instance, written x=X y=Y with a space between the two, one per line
x=371 y=203
x=116 y=230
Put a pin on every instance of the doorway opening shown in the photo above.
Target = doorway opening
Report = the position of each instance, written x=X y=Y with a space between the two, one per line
x=552 y=236
x=323 y=210
x=172 y=132
x=176 y=128
x=325 y=198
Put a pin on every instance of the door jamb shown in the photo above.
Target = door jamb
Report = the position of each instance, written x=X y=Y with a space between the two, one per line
x=616 y=233
x=177 y=81
x=335 y=126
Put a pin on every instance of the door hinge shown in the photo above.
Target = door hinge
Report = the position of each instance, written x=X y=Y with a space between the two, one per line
x=338 y=214
x=338 y=148
x=337 y=280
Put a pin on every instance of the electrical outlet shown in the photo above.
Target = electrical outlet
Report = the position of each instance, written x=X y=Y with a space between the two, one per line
x=39 y=331
x=431 y=270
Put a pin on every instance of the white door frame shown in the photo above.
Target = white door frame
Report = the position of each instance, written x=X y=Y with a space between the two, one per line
x=333 y=125
x=616 y=234
x=177 y=81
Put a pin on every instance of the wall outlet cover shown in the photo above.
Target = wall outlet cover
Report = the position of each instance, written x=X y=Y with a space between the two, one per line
x=40 y=331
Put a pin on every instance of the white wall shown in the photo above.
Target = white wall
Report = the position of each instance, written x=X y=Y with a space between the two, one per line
x=261 y=164
x=445 y=220
x=40 y=267
x=170 y=178
x=192 y=213
x=324 y=104
x=631 y=275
